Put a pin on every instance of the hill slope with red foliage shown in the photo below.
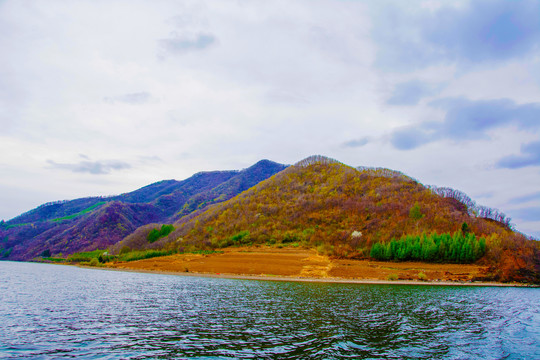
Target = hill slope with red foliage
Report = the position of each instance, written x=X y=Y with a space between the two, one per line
x=343 y=211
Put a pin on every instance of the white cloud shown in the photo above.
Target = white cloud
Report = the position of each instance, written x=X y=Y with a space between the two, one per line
x=212 y=85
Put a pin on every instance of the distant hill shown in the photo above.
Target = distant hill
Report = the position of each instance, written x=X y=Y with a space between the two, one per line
x=97 y=222
x=344 y=212
x=242 y=181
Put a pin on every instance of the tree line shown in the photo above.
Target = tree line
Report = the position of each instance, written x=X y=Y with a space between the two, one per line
x=472 y=207
x=316 y=159
x=457 y=248
x=384 y=172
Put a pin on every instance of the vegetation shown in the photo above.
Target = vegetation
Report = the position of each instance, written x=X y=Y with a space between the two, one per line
x=11 y=226
x=85 y=211
x=472 y=207
x=55 y=211
x=99 y=222
x=319 y=203
x=241 y=181
x=87 y=256
x=155 y=234
x=323 y=204
x=458 y=248
x=344 y=212
x=103 y=256
x=415 y=212
x=97 y=257
x=144 y=254
x=4 y=253
x=92 y=262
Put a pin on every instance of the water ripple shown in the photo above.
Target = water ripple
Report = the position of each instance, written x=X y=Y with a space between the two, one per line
x=64 y=312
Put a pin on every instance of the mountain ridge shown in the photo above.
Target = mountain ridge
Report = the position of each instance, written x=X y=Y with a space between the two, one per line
x=57 y=227
x=342 y=211
x=318 y=203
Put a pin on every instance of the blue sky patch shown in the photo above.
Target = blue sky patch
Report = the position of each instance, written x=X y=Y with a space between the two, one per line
x=477 y=32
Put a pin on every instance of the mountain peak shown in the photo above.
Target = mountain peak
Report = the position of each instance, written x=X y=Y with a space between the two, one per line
x=88 y=223
x=316 y=159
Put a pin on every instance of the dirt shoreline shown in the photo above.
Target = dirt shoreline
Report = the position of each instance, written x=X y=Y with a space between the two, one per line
x=310 y=280
x=306 y=265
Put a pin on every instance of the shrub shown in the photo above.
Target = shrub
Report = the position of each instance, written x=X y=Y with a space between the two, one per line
x=415 y=213
x=325 y=249
x=392 y=277
x=240 y=238
x=153 y=236
x=156 y=234
x=422 y=276
x=144 y=254
x=290 y=237
x=85 y=256
x=125 y=249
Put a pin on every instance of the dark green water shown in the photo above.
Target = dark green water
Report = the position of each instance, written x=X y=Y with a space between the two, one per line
x=49 y=311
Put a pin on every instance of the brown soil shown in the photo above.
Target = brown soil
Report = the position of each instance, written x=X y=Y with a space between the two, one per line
x=301 y=264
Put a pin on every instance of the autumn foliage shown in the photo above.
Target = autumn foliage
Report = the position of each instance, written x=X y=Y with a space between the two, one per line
x=346 y=212
x=67 y=227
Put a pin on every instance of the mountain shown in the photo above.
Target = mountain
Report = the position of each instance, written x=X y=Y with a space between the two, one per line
x=230 y=188
x=65 y=227
x=344 y=212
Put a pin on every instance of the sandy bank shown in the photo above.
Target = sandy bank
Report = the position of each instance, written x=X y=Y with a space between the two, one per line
x=305 y=265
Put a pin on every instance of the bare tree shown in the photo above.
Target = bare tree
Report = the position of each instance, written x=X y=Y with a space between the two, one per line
x=316 y=159
x=472 y=207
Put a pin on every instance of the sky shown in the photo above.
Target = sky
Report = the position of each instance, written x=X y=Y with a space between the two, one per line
x=103 y=97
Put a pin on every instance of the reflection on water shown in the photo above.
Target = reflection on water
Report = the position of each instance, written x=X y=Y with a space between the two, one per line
x=50 y=311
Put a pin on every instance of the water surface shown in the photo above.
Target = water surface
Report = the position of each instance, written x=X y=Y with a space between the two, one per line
x=52 y=311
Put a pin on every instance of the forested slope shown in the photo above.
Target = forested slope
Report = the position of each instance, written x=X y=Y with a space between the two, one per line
x=345 y=212
x=65 y=227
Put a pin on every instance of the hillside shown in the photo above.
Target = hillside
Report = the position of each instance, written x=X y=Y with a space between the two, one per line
x=235 y=185
x=65 y=227
x=343 y=212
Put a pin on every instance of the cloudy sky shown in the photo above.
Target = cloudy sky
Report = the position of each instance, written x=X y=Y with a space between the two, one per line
x=104 y=97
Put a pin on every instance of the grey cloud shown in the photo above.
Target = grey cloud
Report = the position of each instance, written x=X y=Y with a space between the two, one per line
x=133 y=98
x=527 y=214
x=357 y=142
x=409 y=93
x=149 y=159
x=526 y=198
x=480 y=31
x=466 y=119
x=486 y=195
x=470 y=119
x=184 y=20
x=487 y=30
x=409 y=138
x=92 y=167
x=530 y=156
x=286 y=98
x=179 y=45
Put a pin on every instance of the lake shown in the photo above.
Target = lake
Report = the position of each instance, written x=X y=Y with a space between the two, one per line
x=52 y=311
